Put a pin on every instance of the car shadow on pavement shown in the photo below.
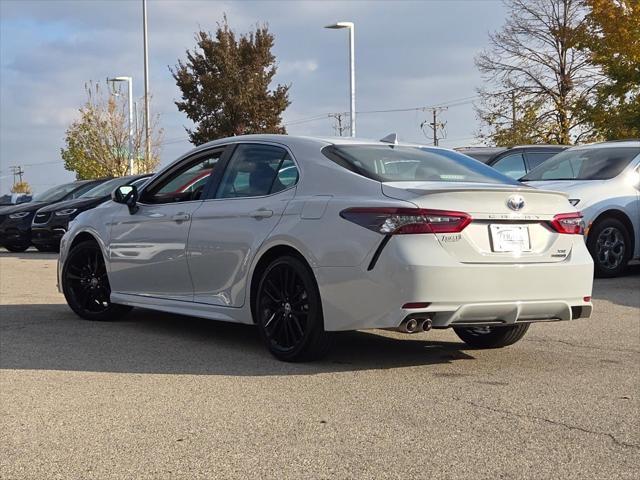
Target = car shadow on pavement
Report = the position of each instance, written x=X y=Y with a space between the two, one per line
x=31 y=254
x=623 y=290
x=51 y=337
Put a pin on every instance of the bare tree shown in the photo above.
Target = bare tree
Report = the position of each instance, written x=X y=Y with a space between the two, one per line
x=535 y=76
x=97 y=145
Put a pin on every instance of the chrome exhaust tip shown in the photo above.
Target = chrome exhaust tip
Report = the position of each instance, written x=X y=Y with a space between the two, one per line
x=409 y=325
x=426 y=325
x=412 y=325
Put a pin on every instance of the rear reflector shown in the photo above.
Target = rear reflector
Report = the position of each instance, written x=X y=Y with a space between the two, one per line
x=587 y=299
x=403 y=221
x=416 y=305
x=568 y=223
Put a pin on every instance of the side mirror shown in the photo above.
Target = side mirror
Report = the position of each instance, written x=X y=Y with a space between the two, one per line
x=127 y=195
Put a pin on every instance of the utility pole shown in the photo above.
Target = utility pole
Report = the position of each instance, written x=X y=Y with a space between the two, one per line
x=147 y=140
x=337 y=125
x=434 y=124
x=17 y=172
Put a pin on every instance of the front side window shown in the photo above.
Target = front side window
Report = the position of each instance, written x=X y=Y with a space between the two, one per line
x=413 y=164
x=511 y=165
x=186 y=183
x=257 y=170
x=585 y=164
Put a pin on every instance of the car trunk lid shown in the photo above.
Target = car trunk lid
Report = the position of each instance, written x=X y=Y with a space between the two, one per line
x=498 y=233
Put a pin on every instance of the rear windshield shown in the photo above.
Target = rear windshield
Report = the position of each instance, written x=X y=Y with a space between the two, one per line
x=584 y=164
x=413 y=164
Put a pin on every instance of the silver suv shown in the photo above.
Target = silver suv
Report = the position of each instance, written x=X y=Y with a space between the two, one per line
x=603 y=182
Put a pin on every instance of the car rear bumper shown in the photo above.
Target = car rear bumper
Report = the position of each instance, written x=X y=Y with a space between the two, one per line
x=458 y=294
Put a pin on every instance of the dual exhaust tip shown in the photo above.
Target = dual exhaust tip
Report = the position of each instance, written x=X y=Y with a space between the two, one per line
x=415 y=325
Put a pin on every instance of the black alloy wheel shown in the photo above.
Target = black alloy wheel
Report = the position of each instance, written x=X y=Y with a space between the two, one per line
x=289 y=312
x=610 y=246
x=86 y=285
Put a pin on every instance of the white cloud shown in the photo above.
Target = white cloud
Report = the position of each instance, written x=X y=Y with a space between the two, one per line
x=297 y=67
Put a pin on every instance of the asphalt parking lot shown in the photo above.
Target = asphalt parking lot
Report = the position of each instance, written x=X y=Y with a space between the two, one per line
x=161 y=396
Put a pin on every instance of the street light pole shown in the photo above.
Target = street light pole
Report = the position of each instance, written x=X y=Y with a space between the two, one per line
x=147 y=140
x=129 y=81
x=352 y=70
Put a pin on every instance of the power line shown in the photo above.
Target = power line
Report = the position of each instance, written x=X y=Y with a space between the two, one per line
x=450 y=103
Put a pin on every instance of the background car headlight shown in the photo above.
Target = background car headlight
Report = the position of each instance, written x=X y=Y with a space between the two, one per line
x=66 y=212
x=20 y=215
x=574 y=201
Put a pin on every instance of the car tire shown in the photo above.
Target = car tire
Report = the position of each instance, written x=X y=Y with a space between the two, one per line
x=609 y=243
x=85 y=284
x=288 y=311
x=492 y=337
x=16 y=248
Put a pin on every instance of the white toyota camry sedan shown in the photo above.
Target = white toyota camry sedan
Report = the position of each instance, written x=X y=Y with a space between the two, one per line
x=307 y=236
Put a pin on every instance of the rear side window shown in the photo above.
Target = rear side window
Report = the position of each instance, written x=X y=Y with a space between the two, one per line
x=257 y=170
x=413 y=164
x=511 y=165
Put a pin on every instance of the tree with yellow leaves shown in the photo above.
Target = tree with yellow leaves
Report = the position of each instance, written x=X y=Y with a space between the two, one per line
x=97 y=145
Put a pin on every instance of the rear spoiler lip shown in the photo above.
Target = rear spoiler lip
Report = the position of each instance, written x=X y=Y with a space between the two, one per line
x=436 y=187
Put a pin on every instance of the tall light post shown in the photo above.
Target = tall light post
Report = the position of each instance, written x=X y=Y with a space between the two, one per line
x=147 y=140
x=129 y=81
x=352 y=70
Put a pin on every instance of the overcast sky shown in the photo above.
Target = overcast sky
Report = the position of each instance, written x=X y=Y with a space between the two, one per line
x=408 y=54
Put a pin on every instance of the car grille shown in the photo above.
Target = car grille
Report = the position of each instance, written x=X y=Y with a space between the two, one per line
x=42 y=217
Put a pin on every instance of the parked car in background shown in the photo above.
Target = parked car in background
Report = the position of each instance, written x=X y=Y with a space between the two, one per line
x=50 y=223
x=514 y=162
x=305 y=236
x=15 y=222
x=14 y=199
x=603 y=182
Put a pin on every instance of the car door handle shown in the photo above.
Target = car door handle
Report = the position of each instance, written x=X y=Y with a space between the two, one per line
x=261 y=213
x=181 y=217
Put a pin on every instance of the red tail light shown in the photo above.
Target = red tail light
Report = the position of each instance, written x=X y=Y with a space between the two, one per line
x=569 y=223
x=403 y=221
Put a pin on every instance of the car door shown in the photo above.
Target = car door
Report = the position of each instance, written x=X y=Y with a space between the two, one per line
x=147 y=251
x=226 y=232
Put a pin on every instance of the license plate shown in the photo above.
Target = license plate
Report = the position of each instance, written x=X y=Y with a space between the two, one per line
x=510 y=238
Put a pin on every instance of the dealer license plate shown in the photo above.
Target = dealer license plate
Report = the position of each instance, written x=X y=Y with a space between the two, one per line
x=510 y=238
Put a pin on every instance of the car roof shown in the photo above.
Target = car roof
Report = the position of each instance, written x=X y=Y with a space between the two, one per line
x=300 y=140
x=609 y=144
